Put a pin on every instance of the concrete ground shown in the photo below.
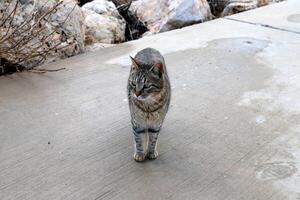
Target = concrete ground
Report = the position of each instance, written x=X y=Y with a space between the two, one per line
x=233 y=130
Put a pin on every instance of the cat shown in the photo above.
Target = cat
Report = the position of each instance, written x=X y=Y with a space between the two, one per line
x=149 y=95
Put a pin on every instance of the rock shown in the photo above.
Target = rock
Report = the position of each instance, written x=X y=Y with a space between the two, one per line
x=236 y=6
x=72 y=29
x=229 y=7
x=165 y=15
x=61 y=35
x=103 y=23
x=102 y=7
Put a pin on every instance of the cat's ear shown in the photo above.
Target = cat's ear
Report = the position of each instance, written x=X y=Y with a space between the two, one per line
x=135 y=64
x=158 y=69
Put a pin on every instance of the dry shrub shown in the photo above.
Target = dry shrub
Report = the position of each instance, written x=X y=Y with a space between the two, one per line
x=25 y=40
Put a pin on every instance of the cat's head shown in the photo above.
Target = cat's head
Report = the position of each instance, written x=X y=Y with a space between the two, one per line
x=145 y=80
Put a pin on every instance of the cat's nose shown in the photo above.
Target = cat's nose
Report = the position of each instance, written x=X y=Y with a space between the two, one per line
x=138 y=93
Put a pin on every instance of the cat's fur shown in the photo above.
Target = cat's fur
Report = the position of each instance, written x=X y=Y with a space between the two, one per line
x=149 y=94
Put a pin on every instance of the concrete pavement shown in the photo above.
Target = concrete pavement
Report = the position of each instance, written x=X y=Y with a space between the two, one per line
x=233 y=130
x=284 y=16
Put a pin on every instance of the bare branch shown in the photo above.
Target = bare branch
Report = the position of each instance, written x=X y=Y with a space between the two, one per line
x=9 y=17
x=26 y=43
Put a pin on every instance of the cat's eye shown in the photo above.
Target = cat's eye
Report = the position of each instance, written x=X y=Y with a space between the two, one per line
x=154 y=86
x=133 y=84
x=151 y=86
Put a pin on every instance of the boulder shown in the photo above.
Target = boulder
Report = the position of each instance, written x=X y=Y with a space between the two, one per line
x=236 y=6
x=102 y=7
x=71 y=20
x=229 y=7
x=103 y=28
x=103 y=23
x=165 y=15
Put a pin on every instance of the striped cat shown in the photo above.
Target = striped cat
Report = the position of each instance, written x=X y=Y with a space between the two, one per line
x=149 y=95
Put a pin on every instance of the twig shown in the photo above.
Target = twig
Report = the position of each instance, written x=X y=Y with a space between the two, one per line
x=46 y=70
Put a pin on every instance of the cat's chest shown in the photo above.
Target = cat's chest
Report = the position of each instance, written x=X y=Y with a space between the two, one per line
x=149 y=119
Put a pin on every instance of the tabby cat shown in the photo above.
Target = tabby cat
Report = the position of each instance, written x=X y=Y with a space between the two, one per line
x=149 y=94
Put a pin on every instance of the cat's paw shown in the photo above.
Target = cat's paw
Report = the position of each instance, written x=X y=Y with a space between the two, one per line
x=152 y=155
x=139 y=157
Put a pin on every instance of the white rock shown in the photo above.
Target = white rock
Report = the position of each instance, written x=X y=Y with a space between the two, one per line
x=102 y=7
x=164 y=15
x=103 y=28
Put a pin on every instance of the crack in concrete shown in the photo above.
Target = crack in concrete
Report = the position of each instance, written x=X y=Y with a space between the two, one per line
x=262 y=25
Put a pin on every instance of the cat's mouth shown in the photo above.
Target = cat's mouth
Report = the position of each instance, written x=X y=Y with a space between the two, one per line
x=140 y=97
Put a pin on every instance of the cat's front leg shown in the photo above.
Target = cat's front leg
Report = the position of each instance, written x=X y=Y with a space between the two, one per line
x=140 y=144
x=152 y=145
